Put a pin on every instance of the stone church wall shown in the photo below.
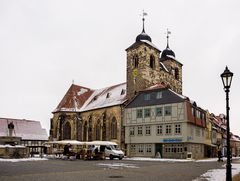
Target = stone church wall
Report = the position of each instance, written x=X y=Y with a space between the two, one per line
x=89 y=125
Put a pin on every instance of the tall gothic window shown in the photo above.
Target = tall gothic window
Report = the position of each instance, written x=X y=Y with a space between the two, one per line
x=85 y=132
x=114 y=128
x=90 y=130
x=135 y=61
x=176 y=73
x=98 y=130
x=104 y=135
x=152 y=62
x=67 y=131
x=79 y=130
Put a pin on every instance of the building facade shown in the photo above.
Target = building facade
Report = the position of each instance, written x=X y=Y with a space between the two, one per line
x=161 y=122
x=85 y=114
x=26 y=132
x=182 y=130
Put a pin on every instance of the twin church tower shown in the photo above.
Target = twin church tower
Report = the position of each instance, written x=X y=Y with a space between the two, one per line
x=148 y=66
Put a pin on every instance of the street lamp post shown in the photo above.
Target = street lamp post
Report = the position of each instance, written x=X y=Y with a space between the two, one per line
x=227 y=80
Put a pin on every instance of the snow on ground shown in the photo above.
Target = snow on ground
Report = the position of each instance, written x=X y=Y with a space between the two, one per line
x=175 y=160
x=218 y=174
x=117 y=165
x=22 y=159
x=157 y=159
x=211 y=175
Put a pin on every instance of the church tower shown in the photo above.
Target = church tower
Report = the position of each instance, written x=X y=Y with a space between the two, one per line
x=145 y=67
x=173 y=66
x=142 y=64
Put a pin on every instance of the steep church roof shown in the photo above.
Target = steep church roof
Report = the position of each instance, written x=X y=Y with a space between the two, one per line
x=74 y=99
x=106 y=97
x=80 y=99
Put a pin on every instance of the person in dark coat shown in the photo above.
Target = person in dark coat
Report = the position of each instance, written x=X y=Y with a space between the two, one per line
x=66 y=150
x=219 y=155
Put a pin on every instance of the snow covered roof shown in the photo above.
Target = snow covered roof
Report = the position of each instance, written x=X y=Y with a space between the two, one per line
x=151 y=44
x=77 y=100
x=101 y=143
x=106 y=97
x=144 y=41
x=163 y=67
x=65 y=142
x=156 y=86
x=27 y=129
x=180 y=95
x=235 y=138
x=74 y=99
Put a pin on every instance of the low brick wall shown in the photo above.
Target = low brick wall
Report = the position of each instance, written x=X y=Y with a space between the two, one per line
x=13 y=151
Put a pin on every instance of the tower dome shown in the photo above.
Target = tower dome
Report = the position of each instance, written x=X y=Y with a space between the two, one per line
x=167 y=53
x=143 y=35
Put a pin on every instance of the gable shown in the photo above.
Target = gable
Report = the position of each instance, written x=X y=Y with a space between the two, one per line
x=145 y=42
x=74 y=99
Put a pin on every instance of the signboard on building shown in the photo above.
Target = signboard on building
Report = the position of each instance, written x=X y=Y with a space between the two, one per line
x=172 y=140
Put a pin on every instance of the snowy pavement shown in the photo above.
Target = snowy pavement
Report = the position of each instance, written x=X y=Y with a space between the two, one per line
x=22 y=159
x=211 y=175
x=218 y=174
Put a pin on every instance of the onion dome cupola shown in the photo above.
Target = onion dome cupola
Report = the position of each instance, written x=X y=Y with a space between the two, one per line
x=143 y=35
x=167 y=53
x=143 y=38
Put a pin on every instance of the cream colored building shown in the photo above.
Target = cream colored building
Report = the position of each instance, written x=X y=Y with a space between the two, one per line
x=160 y=122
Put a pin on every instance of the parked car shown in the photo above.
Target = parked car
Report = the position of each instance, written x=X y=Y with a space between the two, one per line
x=110 y=149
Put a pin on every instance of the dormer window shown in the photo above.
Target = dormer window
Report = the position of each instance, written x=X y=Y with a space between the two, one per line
x=147 y=97
x=108 y=95
x=152 y=62
x=135 y=61
x=123 y=91
x=159 y=95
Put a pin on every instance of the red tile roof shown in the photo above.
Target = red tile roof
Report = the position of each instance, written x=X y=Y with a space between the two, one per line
x=80 y=99
x=74 y=99
x=27 y=129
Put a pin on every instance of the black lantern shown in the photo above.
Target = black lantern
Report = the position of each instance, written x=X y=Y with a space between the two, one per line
x=227 y=80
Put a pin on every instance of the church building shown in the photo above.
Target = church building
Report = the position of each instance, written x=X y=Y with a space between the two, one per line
x=86 y=114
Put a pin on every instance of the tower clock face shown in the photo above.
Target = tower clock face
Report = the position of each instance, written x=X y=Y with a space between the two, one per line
x=135 y=72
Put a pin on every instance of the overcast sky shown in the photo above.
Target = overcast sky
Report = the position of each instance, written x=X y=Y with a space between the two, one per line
x=46 y=44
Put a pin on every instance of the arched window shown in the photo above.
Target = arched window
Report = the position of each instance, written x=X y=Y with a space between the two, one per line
x=104 y=135
x=79 y=130
x=85 y=132
x=114 y=128
x=90 y=130
x=152 y=62
x=67 y=131
x=98 y=130
x=135 y=61
x=176 y=73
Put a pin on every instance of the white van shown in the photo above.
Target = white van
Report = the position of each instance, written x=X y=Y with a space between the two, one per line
x=110 y=149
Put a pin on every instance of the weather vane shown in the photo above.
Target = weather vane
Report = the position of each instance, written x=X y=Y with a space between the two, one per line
x=168 y=33
x=143 y=19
